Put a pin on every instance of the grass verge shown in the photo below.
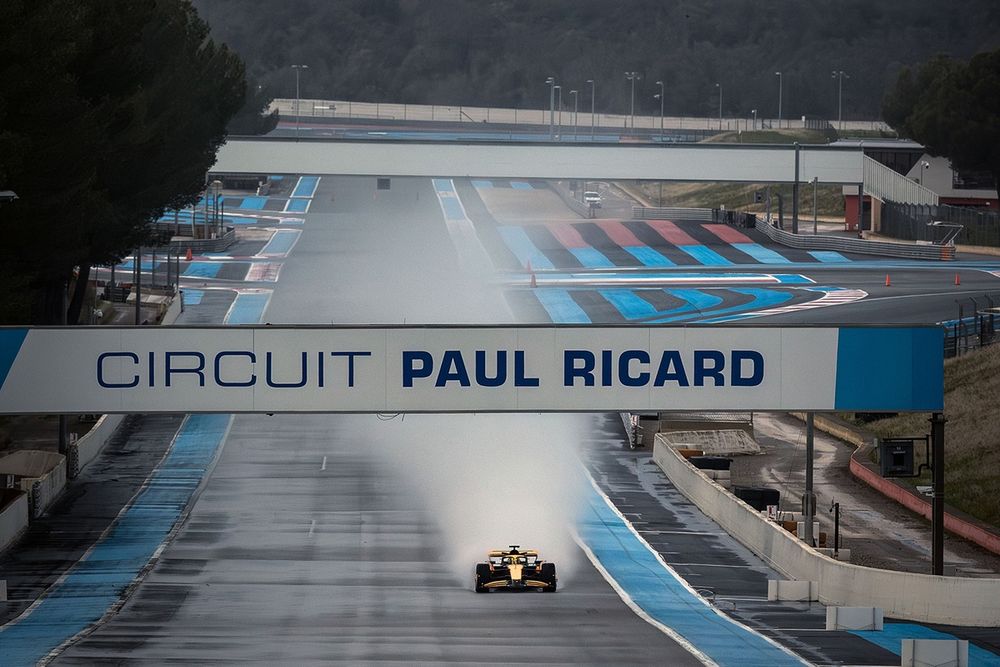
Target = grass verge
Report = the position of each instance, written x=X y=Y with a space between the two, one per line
x=972 y=435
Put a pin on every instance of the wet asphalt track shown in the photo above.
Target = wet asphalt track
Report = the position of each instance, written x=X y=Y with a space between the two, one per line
x=285 y=560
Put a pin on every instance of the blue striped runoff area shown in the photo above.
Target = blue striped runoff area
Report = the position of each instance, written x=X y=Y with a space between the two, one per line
x=524 y=248
x=306 y=187
x=560 y=306
x=96 y=582
x=202 y=269
x=651 y=585
x=281 y=242
x=248 y=308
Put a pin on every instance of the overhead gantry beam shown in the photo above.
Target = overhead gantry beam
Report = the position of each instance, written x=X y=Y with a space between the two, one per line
x=742 y=163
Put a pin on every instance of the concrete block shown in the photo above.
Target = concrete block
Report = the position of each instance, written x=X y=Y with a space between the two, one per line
x=854 y=618
x=800 y=530
x=842 y=554
x=796 y=591
x=935 y=653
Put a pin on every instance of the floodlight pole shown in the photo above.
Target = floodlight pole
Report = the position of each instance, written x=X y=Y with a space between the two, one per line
x=593 y=93
x=795 y=193
x=551 y=83
x=937 y=501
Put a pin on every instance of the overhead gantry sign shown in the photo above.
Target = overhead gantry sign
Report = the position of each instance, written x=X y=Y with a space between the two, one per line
x=469 y=369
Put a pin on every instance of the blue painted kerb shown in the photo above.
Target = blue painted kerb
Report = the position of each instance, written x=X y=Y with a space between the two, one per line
x=10 y=344
x=894 y=369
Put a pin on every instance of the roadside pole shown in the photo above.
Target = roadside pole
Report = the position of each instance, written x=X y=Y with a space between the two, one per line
x=937 y=506
x=63 y=445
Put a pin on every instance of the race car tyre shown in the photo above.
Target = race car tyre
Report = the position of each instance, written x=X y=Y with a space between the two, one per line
x=548 y=572
x=482 y=571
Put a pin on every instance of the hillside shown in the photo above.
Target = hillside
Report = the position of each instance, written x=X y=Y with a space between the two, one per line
x=499 y=52
x=972 y=434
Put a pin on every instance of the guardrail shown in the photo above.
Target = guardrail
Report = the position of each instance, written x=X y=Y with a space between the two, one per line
x=673 y=213
x=861 y=246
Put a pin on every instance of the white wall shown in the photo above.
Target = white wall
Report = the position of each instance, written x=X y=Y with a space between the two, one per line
x=13 y=520
x=904 y=595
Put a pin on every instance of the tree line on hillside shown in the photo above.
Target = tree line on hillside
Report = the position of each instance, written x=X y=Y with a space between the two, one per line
x=499 y=52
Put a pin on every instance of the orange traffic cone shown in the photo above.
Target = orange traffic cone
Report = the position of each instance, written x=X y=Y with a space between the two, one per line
x=188 y=256
x=958 y=279
x=888 y=283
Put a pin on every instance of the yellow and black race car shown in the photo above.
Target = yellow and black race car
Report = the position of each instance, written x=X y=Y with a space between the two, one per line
x=515 y=570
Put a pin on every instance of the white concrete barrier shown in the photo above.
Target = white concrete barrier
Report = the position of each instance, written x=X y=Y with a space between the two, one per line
x=41 y=474
x=905 y=595
x=855 y=618
x=86 y=449
x=174 y=310
x=13 y=516
x=935 y=653
x=796 y=591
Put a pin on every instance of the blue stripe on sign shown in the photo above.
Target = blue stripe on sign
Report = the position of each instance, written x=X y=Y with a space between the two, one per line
x=192 y=297
x=10 y=344
x=202 y=269
x=705 y=255
x=253 y=203
x=663 y=595
x=697 y=301
x=897 y=369
x=628 y=303
x=452 y=208
x=443 y=185
x=892 y=636
x=521 y=185
x=560 y=306
x=276 y=178
x=524 y=248
x=97 y=581
x=306 y=186
x=828 y=256
x=761 y=254
x=482 y=185
x=247 y=308
x=297 y=206
x=591 y=258
x=647 y=255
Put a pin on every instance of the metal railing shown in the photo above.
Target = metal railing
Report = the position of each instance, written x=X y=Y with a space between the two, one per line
x=673 y=213
x=888 y=185
x=916 y=223
x=310 y=108
x=860 y=246
x=967 y=333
